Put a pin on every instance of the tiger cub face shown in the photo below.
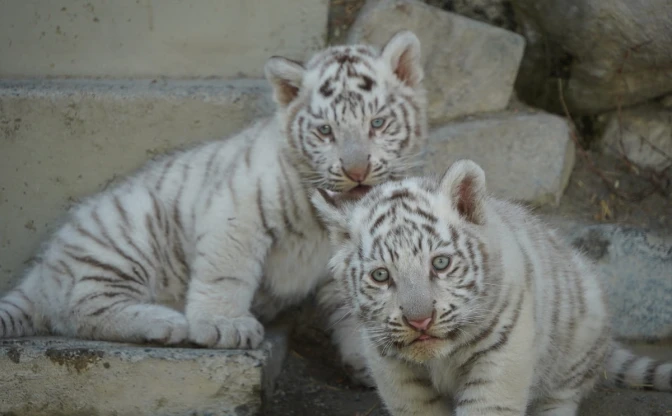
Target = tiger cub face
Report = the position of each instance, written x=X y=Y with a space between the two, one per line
x=413 y=258
x=353 y=116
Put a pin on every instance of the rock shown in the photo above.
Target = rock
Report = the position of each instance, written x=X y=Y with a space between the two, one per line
x=57 y=376
x=62 y=140
x=666 y=102
x=636 y=265
x=609 y=53
x=469 y=66
x=526 y=157
x=643 y=134
x=143 y=39
x=495 y=12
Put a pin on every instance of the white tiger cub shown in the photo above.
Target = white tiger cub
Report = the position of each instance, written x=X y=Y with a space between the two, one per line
x=202 y=244
x=470 y=305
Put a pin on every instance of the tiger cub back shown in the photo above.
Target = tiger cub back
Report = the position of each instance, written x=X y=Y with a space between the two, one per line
x=471 y=304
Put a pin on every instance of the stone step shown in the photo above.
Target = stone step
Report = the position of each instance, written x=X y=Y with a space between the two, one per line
x=139 y=39
x=57 y=376
x=63 y=139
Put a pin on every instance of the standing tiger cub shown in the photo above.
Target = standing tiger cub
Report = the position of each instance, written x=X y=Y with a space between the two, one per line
x=470 y=305
x=202 y=244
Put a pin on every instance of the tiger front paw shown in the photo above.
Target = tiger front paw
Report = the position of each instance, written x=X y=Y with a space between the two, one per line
x=243 y=332
x=357 y=369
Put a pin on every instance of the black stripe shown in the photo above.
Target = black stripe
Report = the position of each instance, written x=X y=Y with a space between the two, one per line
x=11 y=320
x=503 y=338
x=126 y=287
x=619 y=380
x=121 y=210
x=24 y=314
x=97 y=295
x=166 y=168
x=109 y=268
x=103 y=309
x=115 y=247
x=477 y=382
x=650 y=375
x=264 y=222
x=4 y=326
x=468 y=402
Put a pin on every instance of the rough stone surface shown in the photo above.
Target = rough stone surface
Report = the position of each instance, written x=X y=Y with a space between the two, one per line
x=642 y=133
x=494 y=12
x=611 y=53
x=133 y=39
x=470 y=67
x=526 y=157
x=62 y=140
x=57 y=376
x=636 y=266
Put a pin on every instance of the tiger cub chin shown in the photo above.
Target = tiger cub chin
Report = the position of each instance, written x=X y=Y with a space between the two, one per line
x=203 y=244
x=469 y=305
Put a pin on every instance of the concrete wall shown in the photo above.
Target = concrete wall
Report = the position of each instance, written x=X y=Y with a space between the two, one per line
x=153 y=38
x=89 y=90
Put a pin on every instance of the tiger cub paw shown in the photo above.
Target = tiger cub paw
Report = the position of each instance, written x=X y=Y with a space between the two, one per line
x=243 y=332
x=355 y=366
x=168 y=328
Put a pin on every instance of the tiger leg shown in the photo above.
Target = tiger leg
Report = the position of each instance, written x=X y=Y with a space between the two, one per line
x=344 y=331
x=113 y=314
x=222 y=289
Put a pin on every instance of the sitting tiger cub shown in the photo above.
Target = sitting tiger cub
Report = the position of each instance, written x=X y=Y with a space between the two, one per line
x=205 y=244
x=470 y=305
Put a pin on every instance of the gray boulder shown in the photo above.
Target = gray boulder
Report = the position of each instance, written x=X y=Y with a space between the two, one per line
x=617 y=51
x=526 y=157
x=470 y=67
x=643 y=133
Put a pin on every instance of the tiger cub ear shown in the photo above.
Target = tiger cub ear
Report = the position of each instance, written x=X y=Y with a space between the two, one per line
x=286 y=77
x=402 y=54
x=464 y=185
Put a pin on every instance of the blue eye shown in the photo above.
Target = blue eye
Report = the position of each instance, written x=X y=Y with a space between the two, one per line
x=377 y=123
x=324 y=129
x=441 y=263
x=380 y=275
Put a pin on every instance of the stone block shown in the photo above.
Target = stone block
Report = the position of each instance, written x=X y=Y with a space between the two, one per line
x=142 y=39
x=526 y=157
x=62 y=140
x=470 y=66
x=58 y=376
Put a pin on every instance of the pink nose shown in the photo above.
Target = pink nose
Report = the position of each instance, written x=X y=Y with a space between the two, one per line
x=357 y=174
x=420 y=324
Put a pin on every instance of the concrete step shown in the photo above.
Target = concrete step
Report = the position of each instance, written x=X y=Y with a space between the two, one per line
x=148 y=38
x=56 y=376
x=61 y=140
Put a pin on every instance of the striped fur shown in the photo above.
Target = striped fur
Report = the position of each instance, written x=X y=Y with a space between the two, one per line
x=516 y=321
x=202 y=244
